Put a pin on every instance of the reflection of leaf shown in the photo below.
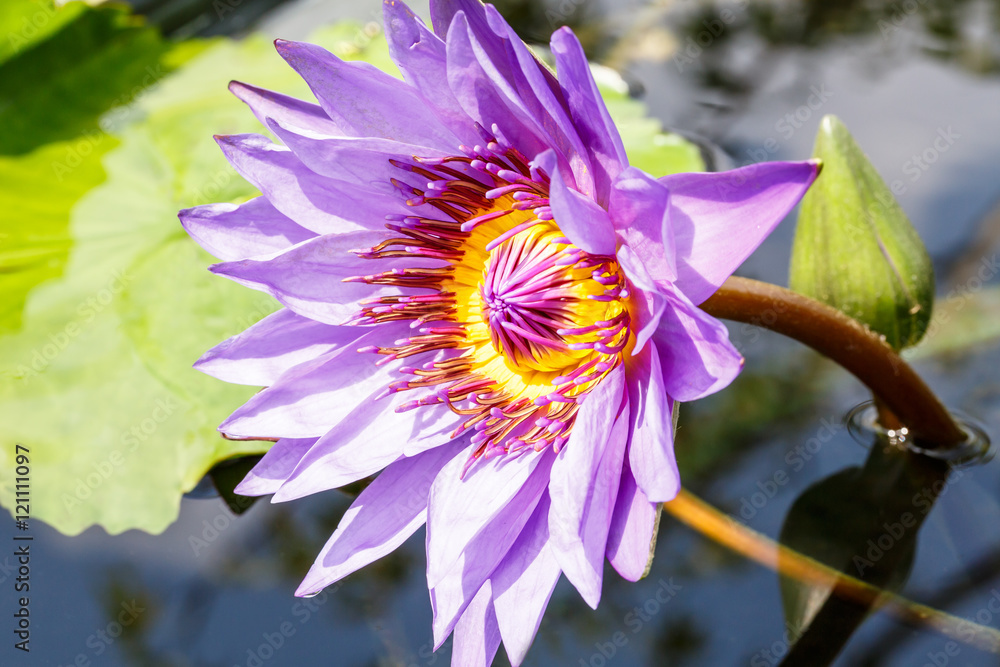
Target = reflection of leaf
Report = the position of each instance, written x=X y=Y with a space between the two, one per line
x=98 y=381
x=832 y=521
x=226 y=475
x=649 y=148
x=864 y=521
x=56 y=88
x=960 y=322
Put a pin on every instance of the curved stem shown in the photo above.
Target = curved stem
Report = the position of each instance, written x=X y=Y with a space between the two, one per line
x=846 y=341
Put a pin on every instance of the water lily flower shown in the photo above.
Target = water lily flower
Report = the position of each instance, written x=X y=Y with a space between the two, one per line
x=483 y=301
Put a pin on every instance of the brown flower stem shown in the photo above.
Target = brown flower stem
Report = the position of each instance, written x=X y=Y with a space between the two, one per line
x=849 y=343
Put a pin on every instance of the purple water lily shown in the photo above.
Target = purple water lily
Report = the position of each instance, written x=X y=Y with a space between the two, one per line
x=484 y=302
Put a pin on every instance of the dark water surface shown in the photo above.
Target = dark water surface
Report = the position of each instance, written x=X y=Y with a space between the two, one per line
x=920 y=92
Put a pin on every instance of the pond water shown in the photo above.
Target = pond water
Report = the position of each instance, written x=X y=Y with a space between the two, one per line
x=920 y=91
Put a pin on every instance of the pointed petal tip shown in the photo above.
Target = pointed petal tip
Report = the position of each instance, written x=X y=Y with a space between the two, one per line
x=226 y=141
x=563 y=32
x=219 y=268
x=243 y=489
x=591 y=597
x=307 y=591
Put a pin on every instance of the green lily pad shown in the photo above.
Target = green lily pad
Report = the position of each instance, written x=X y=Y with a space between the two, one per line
x=34 y=231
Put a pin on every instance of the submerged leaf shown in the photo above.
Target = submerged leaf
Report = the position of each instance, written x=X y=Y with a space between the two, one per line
x=854 y=247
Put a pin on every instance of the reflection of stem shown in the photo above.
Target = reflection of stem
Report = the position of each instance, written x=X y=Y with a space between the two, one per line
x=712 y=523
x=983 y=571
x=847 y=342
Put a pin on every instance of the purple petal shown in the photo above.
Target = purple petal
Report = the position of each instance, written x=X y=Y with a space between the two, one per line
x=633 y=528
x=588 y=112
x=363 y=161
x=641 y=216
x=647 y=302
x=718 y=219
x=584 y=485
x=267 y=104
x=485 y=94
x=445 y=12
x=580 y=218
x=695 y=352
x=320 y=204
x=471 y=525
x=386 y=513
x=523 y=584
x=259 y=355
x=541 y=97
x=365 y=100
x=422 y=58
x=308 y=400
x=477 y=636
x=309 y=278
x=272 y=470
x=651 y=440
x=462 y=506
x=367 y=439
x=232 y=232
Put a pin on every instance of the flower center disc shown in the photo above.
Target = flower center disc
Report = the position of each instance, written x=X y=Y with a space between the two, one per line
x=543 y=318
x=523 y=322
